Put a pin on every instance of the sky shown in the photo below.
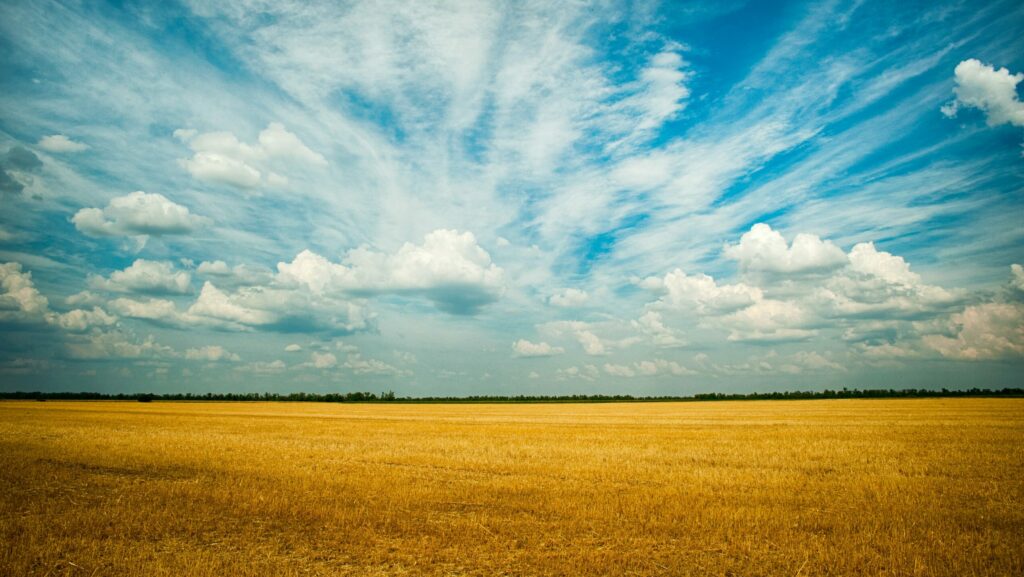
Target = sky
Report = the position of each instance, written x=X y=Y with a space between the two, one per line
x=495 y=198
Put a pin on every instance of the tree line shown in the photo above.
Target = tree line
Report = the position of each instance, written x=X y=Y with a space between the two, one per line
x=389 y=396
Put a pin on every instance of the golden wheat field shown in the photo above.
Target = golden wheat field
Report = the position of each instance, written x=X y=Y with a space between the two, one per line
x=865 y=487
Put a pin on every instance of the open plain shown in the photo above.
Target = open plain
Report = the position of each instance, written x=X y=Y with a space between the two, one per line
x=848 y=487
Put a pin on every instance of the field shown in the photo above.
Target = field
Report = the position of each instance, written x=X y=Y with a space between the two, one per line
x=865 y=487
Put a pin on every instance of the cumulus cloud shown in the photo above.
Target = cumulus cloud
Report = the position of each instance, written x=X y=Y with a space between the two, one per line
x=701 y=293
x=323 y=360
x=221 y=157
x=990 y=90
x=879 y=284
x=525 y=348
x=619 y=370
x=769 y=321
x=61 y=143
x=647 y=369
x=292 y=348
x=765 y=250
x=147 y=277
x=365 y=366
x=569 y=298
x=1017 y=277
x=449 y=268
x=20 y=301
x=211 y=353
x=81 y=320
x=586 y=372
x=117 y=344
x=138 y=214
x=983 y=332
x=651 y=325
x=281 y=309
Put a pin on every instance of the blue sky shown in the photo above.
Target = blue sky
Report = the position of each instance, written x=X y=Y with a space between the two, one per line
x=502 y=198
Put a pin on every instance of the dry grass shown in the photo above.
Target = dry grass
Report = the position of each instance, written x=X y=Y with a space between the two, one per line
x=902 y=487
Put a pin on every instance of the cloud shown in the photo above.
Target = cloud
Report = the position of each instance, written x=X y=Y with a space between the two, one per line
x=218 y=168
x=146 y=277
x=989 y=90
x=586 y=372
x=769 y=321
x=449 y=268
x=138 y=214
x=118 y=344
x=221 y=158
x=211 y=353
x=323 y=360
x=524 y=348
x=239 y=275
x=661 y=336
x=274 y=308
x=569 y=298
x=81 y=320
x=263 y=367
x=647 y=369
x=619 y=370
x=983 y=332
x=765 y=250
x=664 y=92
x=364 y=366
x=20 y=300
x=16 y=167
x=22 y=303
x=292 y=348
x=60 y=143
x=1017 y=277
x=701 y=293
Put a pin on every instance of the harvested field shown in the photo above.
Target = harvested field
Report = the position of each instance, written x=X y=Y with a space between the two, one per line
x=849 y=487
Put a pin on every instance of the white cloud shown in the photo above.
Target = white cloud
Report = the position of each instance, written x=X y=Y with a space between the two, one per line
x=147 y=277
x=586 y=372
x=651 y=325
x=220 y=157
x=81 y=320
x=211 y=353
x=84 y=298
x=664 y=92
x=61 y=143
x=263 y=367
x=213 y=167
x=21 y=302
x=240 y=274
x=619 y=370
x=137 y=214
x=449 y=268
x=701 y=293
x=1017 y=277
x=768 y=320
x=983 y=332
x=591 y=343
x=525 y=348
x=216 y=304
x=293 y=348
x=323 y=360
x=992 y=91
x=569 y=298
x=20 y=299
x=661 y=366
x=363 y=366
x=117 y=345
x=765 y=250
